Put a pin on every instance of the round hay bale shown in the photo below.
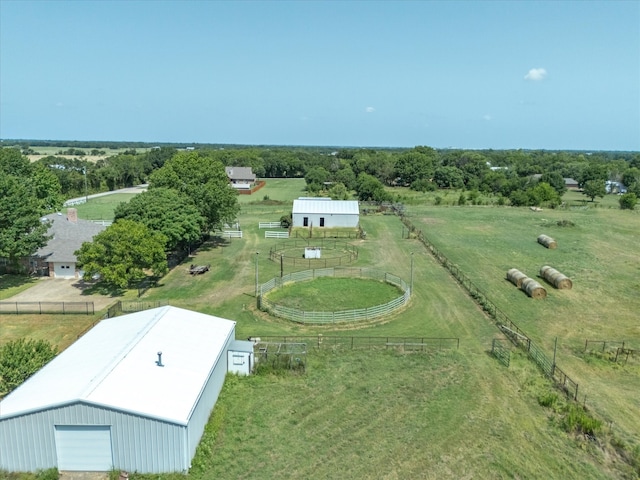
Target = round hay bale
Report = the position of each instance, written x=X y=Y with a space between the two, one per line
x=547 y=241
x=533 y=288
x=516 y=277
x=556 y=278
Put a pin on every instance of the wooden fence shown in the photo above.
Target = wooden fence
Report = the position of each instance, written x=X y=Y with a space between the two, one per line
x=271 y=234
x=18 y=308
x=269 y=225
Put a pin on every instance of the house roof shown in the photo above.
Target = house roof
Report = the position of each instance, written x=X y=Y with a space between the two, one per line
x=326 y=206
x=67 y=237
x=570 y=181
x=239 y=173
x=114 y=365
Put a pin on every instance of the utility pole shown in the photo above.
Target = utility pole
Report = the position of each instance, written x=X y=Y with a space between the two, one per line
x=411 y=284
x=257 y=253
x=86 y=195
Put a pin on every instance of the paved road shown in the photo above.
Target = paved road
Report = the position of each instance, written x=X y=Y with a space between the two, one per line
x=83 y=199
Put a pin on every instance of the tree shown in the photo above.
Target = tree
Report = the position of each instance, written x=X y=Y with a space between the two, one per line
x=339 y=192
x=556 y=181
x=594 y=188
x=21 y=358
x=315 y=178
x=543 y=192
x=448 y=177
x=123 y=253
x=203 y=179
x=370 y=188
x=27 y=193
x=166 y=211
x=628 y=201
x=416 y=165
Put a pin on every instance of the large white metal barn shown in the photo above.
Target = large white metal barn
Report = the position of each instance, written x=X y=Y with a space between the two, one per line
x=112 y=400
x=325 y=212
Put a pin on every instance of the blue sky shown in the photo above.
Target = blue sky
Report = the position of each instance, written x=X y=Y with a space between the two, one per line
x=481 y=74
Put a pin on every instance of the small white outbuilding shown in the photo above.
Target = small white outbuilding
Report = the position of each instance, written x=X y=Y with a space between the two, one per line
x=134 y=393
x=325 y=212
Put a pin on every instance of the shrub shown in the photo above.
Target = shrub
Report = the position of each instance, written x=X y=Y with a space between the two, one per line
x=19 y=359
x=628 y=201
x=576 y=419
x=438 y=200
x=548 y=399
x=462 y=199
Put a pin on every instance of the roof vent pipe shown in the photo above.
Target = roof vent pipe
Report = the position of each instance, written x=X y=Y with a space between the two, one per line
x=159 y=361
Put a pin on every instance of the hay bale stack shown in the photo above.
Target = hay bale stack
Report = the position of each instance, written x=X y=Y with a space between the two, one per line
x=555 y=278
x=533 y=288
x=547 y=241
x=516 y=277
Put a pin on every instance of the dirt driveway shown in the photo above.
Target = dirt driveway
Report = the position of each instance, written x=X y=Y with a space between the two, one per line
x=61 y=290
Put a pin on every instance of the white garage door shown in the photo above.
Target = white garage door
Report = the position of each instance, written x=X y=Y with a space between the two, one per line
x=84 y=448
x=64 y=270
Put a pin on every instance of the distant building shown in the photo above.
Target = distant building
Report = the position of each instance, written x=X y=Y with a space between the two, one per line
x=570 y=183
x=134 y=393
x=324 y=212
x=241 y=178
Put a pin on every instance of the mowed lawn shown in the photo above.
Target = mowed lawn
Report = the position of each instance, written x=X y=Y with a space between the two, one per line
x=376 y=413
x=600 y=253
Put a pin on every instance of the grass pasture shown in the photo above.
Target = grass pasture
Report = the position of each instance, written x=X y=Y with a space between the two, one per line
x=102 y=208
x=444 y=414
x=343 y=293
x=600 y=253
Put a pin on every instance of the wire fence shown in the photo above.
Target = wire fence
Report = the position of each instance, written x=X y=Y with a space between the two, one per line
x=18 y=308
x=123 y=307
x=328 y=317
x=514 y=333
x=338 y=342
x=335 y=253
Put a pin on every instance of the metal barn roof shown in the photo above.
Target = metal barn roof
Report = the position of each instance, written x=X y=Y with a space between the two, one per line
x=317 y=206
x=114 y=365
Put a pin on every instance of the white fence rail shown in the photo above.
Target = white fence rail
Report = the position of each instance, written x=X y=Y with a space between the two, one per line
x=77 y=201
x=360 y=314
x=269 y=224
x=232 y=233
x=104 y=223
x=271 y=234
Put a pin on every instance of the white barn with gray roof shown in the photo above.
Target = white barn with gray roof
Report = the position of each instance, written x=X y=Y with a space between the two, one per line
x=112 y=401
x=325 y=212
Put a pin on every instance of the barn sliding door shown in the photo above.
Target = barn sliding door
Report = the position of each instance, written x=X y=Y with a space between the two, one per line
x=84 y=448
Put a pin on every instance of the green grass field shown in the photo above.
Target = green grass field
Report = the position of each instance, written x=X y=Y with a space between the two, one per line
x=345 y=294
x=444 y=414
x=102 y=208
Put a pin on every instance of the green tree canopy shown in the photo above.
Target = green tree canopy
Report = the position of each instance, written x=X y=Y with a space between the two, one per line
x=448 y=177
x=594 y=188
x=27 y=192
x=123 y=253
x=166 y=211
x=203 y=179
x=369 y=188
x=21 y=358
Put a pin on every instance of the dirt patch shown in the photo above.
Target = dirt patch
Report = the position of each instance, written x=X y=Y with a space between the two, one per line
x=62 y=290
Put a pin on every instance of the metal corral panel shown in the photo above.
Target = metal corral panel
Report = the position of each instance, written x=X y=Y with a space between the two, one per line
x=84 y=448
x=28 y=442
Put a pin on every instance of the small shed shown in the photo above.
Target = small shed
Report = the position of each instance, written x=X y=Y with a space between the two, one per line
x=134 y=393
x=325 y=212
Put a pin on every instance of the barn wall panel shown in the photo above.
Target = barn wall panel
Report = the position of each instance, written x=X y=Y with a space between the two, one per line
x=208 y=396
x=138 y=443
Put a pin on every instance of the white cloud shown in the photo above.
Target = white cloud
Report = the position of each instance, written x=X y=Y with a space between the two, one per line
x=536 y=74
x=369 y=109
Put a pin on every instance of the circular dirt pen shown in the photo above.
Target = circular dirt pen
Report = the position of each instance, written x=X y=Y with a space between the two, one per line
x=330 y=316
x=327 y=252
